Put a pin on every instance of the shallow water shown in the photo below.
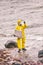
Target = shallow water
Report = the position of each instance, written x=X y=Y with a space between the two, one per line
x=30 y=11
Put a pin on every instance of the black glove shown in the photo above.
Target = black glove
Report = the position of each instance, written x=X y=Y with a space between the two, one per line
x=14 y=35
x=24 y=22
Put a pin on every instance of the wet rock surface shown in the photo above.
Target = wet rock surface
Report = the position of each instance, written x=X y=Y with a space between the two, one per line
x=11 y=44
x=40 y=54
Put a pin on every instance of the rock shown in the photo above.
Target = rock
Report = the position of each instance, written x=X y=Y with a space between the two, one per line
x=41 y=61
x=11 y=44
x=16 y=64
x=40 y=54
x=1 y=59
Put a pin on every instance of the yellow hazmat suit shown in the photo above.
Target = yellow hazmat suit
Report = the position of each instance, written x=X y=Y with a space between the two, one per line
x=21 y=41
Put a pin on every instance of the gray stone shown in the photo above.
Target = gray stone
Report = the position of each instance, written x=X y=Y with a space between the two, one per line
x=11 y=44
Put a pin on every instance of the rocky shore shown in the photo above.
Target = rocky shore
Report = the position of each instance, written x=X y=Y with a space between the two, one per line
x=12 y=57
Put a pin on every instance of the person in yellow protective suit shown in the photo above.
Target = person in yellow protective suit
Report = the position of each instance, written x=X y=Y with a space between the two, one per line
x=21 y=41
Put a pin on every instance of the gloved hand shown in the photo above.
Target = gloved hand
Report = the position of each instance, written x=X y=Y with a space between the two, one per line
x=14 y=35
x=24 y=22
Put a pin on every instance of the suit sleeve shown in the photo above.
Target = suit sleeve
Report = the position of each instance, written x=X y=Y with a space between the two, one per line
x=25 y=26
